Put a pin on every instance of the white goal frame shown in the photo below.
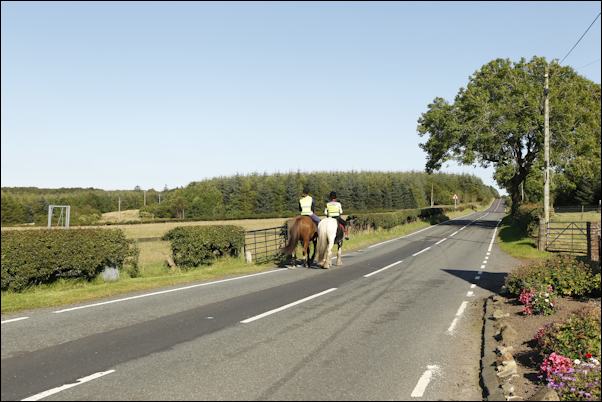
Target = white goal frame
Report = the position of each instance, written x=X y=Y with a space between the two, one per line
x=64 y=217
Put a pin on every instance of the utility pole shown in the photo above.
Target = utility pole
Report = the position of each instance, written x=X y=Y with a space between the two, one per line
x=144 y=197
x=119 y=207
x=159 y=198
x=546 y=144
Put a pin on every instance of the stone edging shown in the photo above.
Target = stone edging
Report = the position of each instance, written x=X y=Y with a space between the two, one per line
x=491 y=386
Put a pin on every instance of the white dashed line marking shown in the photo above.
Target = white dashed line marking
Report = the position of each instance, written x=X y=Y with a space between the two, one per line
x=276 y=310
x=421 y=251
x=382 y=269
x=80 y=381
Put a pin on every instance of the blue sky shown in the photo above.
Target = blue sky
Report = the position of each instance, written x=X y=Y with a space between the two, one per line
x=114 y=95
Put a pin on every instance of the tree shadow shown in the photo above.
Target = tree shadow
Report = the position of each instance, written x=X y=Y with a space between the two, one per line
x=492 y=281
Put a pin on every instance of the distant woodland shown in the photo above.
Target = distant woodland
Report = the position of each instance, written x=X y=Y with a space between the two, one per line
x=248 y=196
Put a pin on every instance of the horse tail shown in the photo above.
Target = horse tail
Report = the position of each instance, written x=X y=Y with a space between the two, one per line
x=322 y=239
x=293 y=238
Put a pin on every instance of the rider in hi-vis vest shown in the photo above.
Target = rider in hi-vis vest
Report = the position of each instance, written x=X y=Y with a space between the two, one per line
x=307 y=206
x=335 y=210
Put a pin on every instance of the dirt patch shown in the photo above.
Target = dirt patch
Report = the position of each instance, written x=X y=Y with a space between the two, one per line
x=525 y=354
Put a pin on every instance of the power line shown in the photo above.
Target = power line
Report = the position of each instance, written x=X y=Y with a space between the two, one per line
x=575 y=45
x=589 y=64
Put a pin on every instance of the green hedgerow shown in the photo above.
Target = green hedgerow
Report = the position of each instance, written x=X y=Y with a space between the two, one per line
x=567 y=275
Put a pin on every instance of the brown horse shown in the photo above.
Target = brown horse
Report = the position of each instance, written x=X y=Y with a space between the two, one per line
x=302 y=228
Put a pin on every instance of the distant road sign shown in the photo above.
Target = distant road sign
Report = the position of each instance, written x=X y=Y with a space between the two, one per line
x=455 y=197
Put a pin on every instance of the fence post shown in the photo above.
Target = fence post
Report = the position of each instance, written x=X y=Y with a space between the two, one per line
x=593 y=241
x=541 y=239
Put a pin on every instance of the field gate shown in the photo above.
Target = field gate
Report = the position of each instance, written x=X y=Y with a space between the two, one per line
x=264 y=244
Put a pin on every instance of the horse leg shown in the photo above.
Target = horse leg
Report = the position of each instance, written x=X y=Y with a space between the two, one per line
x=328 y=255
x=306 y=253
x=315 y=242
x=339 y=250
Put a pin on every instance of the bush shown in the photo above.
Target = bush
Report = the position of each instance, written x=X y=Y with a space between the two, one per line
x=567 y=275
x=538 y=301
x=573 y=380
x=31 y=257
x=527 y=219
x=192 y=246
x=575 y=337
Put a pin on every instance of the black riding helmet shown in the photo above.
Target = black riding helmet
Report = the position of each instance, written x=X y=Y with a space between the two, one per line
x=333 y=195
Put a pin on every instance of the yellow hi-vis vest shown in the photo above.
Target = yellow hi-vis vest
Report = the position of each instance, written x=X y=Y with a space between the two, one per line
x=333 y=209
x=306 y=205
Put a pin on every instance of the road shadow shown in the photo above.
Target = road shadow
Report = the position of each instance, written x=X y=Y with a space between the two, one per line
x=492 y=281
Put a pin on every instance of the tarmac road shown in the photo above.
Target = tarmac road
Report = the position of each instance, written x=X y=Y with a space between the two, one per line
x=399 y=320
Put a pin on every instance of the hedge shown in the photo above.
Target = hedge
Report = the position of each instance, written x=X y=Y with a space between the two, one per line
x=192 y=246
x=32 y=257
x=388 y=220
x=566 y=274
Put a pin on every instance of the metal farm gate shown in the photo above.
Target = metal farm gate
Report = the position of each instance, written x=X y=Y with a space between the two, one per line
x=567 y=237
x=265 y=244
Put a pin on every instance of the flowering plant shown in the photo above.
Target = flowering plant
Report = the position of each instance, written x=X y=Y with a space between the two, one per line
x=538 y=301
x=573 y=380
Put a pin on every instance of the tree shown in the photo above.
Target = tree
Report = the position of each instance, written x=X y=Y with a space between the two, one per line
x=498 y=119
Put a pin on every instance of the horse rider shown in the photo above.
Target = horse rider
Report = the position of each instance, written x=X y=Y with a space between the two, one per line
x=334 y=210
x=307 y=206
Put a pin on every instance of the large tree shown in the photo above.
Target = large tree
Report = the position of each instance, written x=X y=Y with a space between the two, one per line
x=498 y=119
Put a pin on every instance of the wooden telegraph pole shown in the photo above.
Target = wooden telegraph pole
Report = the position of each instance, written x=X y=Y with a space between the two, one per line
x=546 y=144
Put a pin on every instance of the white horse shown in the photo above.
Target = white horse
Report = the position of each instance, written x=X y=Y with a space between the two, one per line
x=328 y=234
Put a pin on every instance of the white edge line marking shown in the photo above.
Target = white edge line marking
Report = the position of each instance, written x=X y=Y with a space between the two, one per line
x=476 y=278
x=382 y=269
x=485 y=262
x=482 y=266
x=166 y=291
x=421 y=251
x=453 y=234
x=14 y=319
x=473 y=286
x=423 y=382
x=441 y=241
x=80 y=381
x=470 y=293
x=489 y=253
x=479 y=273
x=493 y=236
x=461 y=308
x=276 y=310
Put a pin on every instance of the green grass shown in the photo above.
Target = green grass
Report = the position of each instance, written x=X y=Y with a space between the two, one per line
x=155 y=274
x=576 y=217
x=515 y=242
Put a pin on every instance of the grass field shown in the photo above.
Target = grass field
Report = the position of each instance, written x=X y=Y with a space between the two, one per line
x=575 y=217
x=115 y=216
x=155 y=274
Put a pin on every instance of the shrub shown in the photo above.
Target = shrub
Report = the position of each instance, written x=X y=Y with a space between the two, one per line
x=538 y=301
x=527 y=219
x=31 y=257
x=577 y=380
x=567 y=275
x=192 y=246
x=574 y=337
